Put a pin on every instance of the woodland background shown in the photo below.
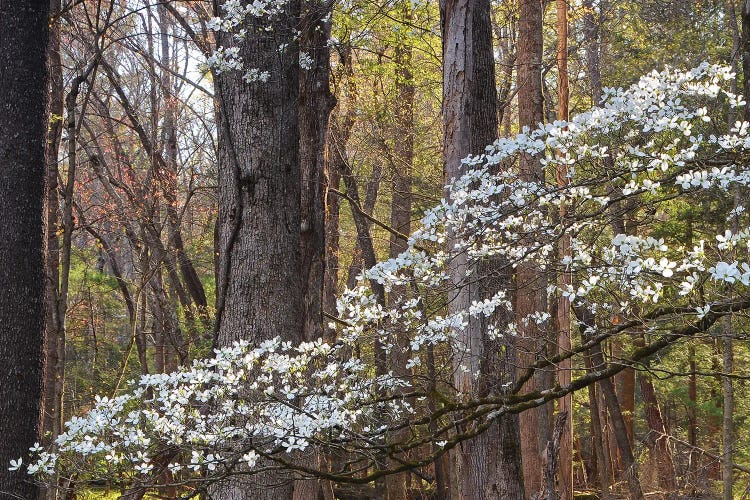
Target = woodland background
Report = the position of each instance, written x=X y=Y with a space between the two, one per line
x=133 y=186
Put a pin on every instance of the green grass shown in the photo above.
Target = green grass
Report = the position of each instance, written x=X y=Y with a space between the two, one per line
x=98 y=494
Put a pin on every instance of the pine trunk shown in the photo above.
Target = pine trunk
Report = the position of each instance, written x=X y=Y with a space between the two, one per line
x=23 y=134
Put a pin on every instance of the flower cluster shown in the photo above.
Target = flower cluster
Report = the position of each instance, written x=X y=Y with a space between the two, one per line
x=651 y=143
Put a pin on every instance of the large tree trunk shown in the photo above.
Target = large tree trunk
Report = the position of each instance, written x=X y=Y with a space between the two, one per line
x=487 y=466
x=530 y=282
x=23 y=134
x=259 y=284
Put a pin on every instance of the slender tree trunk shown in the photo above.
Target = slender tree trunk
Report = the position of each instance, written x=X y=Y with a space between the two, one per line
x=745 y=51
x=586 y=319
x=591 y=38
x=692 y=421
x=728 y=437
x=565 y=404
x=372 y=189
x=337 y=138
x=530 y=283
x=603 y=468
x=727 y=386
x=401 y=199
x=660 y=453
x=168 y=172
x=55 y=347
x=315 y=105
x=332 y=211
x=23 y=134
x=488 y=466
x=259 y=285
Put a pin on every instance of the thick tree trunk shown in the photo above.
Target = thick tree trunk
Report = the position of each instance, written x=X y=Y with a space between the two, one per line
x=259 y=284
x=487 y=466
x=23 y=134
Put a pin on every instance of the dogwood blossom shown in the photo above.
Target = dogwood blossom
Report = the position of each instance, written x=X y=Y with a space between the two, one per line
x=273 y=400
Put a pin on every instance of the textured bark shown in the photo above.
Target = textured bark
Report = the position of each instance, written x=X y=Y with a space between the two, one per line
x=487 y=466
x=745 y=48
x=259 y=285
x=728 y=435
x=658 y=442
x=565 y=404
x=23 y=133
x=315 y=105
x=586 y=319
x=552 y=456
x=530 y=283
x=55 y=347
x=401 y=200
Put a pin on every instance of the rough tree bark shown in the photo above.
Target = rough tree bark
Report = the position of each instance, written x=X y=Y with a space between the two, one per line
x=530 y=283
x=565 y=404
x=55 y=343
x=259 y=282
x=487 y=466
x=23 y=134
x=315 y=105
x=745 y=51
x=401 y=161
x=586 y=319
